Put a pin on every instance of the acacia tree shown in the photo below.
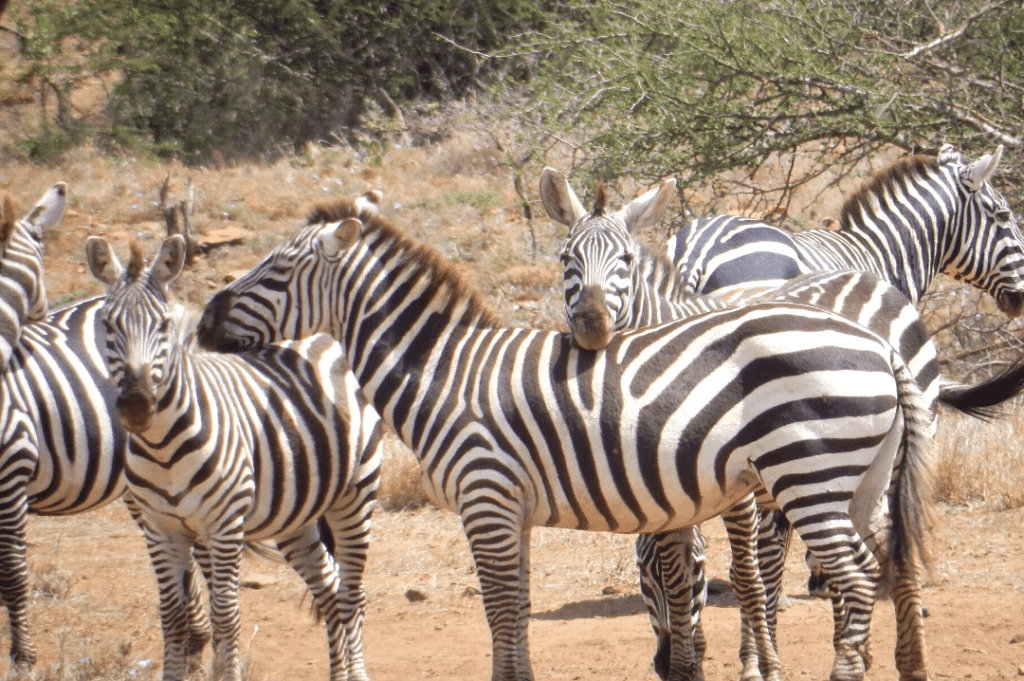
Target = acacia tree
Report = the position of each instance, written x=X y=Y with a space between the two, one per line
x=712 y=90
x=762 y=107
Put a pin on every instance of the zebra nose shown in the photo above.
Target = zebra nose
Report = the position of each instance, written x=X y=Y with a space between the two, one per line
x=208 y=332
x=591 y=321
x=136 y=403
x=1011 y=303
x=136 y=409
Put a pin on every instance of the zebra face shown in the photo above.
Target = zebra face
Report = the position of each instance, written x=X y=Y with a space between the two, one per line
x=140 y=335
x=600 y=257
x=989 y=252
x=599 y=276
x=276 y=300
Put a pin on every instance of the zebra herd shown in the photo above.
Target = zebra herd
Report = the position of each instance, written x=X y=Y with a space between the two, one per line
x=801 y=397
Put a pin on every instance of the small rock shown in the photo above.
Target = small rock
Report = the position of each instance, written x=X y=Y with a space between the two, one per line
x=1020 y=670
x=610 y=591
x=1019 y=638
x=415 y=596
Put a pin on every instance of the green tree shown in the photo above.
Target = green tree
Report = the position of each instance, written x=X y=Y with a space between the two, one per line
x=711 y=90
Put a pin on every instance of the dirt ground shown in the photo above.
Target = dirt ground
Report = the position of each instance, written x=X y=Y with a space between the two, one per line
x=97 y=605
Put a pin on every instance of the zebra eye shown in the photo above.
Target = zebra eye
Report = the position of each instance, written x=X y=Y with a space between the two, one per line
x=1003 y=215
x=565 y=259
x=627 y=259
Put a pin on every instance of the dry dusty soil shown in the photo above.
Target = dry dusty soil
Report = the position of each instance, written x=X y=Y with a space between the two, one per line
x=97 y=602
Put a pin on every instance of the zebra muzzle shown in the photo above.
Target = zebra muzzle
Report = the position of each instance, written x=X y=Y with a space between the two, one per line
x=135 y=406
x=590 y=321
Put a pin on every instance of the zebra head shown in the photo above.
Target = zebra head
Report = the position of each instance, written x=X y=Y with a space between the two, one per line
x=601 y=256
x=140 y=334
x=988 y=250
x=273 y=302
x=22 y=287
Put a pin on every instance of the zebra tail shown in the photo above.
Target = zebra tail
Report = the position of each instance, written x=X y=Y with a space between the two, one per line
x=981 y=401
x=913 y=504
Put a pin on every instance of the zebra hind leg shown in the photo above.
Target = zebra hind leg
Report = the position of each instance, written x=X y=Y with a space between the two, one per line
x=757 y=649
x=676 y=566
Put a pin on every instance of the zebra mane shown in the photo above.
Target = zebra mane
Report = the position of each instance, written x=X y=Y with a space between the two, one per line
x=906 y=167
x=137 y=261
x=600 y=199
x=445 y=282
x=365 y=208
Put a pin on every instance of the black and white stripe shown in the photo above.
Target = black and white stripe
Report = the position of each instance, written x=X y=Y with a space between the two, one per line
x=61 y=451
x=665 y=428
x=278 y=444
x=602 y=251
x=22 y=288
x=917 y=218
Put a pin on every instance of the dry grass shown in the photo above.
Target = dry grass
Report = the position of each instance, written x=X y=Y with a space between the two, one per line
x=981 y=463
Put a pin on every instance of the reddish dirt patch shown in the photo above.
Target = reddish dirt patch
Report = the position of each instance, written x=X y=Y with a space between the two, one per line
x=588 y=619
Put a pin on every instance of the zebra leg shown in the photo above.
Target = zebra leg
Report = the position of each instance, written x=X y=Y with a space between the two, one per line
x=171 y=556
x=501 y=552
x=226 y=552
x=774 y=535
x=652 y=589
x=352 y=542
x=757 y=648
x=853 y=574
x=675 y=559
x=309 y=557
x=18 y=461
x=910 y=646
x=199 y=630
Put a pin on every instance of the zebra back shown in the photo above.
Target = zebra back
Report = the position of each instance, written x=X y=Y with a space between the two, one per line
x=919 y=217
x=22 y=287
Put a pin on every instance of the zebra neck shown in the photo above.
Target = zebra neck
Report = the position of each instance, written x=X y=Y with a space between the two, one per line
x=902 y=231
x=402 y=318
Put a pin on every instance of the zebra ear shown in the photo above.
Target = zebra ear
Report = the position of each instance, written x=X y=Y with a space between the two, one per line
x=333 y=241
x=559 y=200
x=647 y=210
x=948 y=154
x=50 y=209
x=103 y=264
x=982 y=170
x=169 y=261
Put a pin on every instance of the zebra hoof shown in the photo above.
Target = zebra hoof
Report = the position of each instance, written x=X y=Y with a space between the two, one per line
x=817 y=585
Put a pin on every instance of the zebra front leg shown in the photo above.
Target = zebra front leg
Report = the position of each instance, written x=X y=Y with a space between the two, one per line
x=171 y=556
x=501 y=552
x=226 y=552
x=757 y=646
x=199 y=630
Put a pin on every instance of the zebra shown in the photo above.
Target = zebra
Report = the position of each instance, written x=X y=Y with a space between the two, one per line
x=920 y=216
x=276 y=444
x=613 y=283
x=516 y=428
x=61 y=453
x=22 y=288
